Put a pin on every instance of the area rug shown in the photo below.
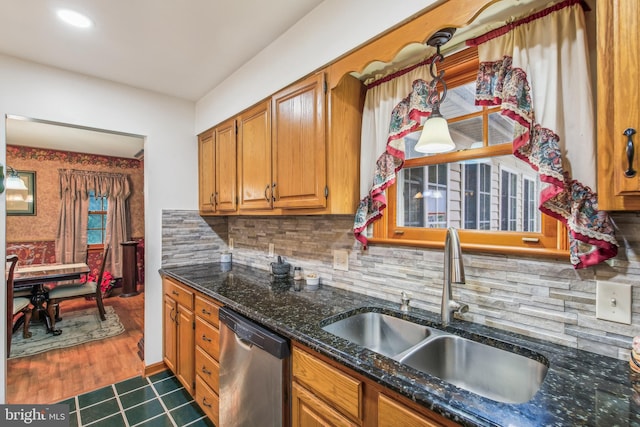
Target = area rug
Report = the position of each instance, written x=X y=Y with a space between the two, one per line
x=78 y=327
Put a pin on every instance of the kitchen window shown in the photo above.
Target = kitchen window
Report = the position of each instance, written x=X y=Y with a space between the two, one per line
x=482 y=189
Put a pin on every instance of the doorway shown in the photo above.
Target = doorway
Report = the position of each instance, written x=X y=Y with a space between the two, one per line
x=38 y=149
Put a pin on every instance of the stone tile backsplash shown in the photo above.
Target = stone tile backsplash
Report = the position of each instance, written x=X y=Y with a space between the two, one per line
x=537 y=297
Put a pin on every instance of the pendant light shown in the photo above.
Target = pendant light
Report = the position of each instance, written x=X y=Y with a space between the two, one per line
x=435 y=136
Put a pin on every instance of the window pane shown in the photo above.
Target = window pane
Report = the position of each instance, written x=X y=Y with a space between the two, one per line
x=501 y=129
x=94 y=237
x=480 y=194
x=460 y=101
x=467 y=133
x=95 y=221
x=94 y=204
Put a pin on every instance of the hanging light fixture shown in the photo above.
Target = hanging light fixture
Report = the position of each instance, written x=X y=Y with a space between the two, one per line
x=13 y=180
x=435 y=136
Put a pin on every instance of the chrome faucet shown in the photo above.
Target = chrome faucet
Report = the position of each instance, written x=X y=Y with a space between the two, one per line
x=453 y=273
x=405 y=299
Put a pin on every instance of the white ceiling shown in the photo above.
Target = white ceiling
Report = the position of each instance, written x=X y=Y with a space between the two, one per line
x=176 y=47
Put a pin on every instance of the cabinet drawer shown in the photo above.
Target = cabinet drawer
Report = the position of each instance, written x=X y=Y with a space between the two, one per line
x=208 y=338
x=208 y=400
x=334 y=386
x=208 y=369
x=208 y=310
x=179 y=293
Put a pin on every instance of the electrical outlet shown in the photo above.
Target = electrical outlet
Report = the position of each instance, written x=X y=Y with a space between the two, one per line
x=272 y=249
x=341 y=260
x=613 y=302
x=230 y=243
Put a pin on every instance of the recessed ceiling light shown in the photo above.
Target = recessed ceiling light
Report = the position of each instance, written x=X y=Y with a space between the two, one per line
x=74 y=18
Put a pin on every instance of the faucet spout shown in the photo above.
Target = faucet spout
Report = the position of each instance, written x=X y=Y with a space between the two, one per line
x=453 y=273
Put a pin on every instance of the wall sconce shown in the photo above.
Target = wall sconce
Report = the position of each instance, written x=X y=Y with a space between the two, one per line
x=13 y=180
x=435 y=136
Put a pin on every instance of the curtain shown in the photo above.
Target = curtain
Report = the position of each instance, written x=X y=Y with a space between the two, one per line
x=71 y=241
x=537 y=70
x=387 y=97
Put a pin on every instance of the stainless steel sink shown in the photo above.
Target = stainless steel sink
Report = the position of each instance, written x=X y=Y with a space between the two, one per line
x=379 y=332
x=488 y=371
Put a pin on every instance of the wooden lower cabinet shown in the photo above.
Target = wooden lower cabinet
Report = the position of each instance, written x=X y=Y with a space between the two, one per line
x=310 y=411
x=325 y=393
x=178 y=343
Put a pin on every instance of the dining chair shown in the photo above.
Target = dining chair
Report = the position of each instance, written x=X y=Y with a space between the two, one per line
x=16 y=305
x=77 y=290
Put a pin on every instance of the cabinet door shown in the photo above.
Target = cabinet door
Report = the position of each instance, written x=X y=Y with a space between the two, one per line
x=169 y=345
x=185 y=371
x=206 y=172
x=618 y=103
x=254 y=158
x=309 y=411
x=225 y=194
x=392 y=413
x=299 y=146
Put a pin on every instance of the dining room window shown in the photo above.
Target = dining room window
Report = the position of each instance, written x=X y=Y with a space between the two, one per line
x=97 y=221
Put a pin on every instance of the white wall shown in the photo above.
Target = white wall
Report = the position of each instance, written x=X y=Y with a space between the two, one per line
x=170 y=149
x=332 y=29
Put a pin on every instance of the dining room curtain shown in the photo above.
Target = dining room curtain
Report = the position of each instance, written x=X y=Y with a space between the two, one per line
x=75 y=186
x=537 y=70
x=403 y=96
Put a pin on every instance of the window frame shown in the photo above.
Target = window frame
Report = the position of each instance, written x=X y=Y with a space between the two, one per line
x=551 y=241
x=103 y=213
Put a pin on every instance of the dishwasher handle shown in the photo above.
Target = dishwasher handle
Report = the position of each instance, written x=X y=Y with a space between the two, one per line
x=254 y=334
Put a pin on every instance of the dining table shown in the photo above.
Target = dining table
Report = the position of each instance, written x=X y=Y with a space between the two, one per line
x=34 y=278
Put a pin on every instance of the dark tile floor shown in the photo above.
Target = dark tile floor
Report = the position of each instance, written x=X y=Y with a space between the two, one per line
x=158 y=400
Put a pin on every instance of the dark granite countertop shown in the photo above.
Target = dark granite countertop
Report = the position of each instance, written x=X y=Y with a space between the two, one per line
x=580 y=389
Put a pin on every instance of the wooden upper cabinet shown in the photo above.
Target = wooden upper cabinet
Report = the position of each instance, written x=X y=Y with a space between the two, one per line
x=206 y=169
x=618 y=56
x=299 y=146
x=225 y=194
x=254 y=158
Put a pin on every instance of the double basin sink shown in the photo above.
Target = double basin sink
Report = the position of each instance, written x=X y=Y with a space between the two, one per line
x=489 y=371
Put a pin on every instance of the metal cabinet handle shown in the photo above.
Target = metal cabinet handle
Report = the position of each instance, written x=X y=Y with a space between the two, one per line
x=205 y=338
x=206 y=371
x=211 y=199
x=205 y=312
x=173 y=318
x=215 y=199
x=273 y=192
x=265 y=193
x=204 y=402
x=176 y=293
x=630 y=172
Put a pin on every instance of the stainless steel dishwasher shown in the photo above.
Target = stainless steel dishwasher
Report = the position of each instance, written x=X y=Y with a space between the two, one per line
x=254 y=373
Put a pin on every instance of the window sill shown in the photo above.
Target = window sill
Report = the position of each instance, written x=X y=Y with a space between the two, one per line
x=474 y=247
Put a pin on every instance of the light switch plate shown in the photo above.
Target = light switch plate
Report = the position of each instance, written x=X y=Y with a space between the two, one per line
x=613 y=302
x=341 y=260
x=272 y=249
x=230 y=243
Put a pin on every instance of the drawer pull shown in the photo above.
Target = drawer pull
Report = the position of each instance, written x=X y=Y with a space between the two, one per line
x=206 y=371
x=630 y=172
x=205 y=338
x=205 y=312
x=205 y=403
x=174 y=292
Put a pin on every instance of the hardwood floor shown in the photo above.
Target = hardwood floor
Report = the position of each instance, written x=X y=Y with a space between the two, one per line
x=58 y=374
